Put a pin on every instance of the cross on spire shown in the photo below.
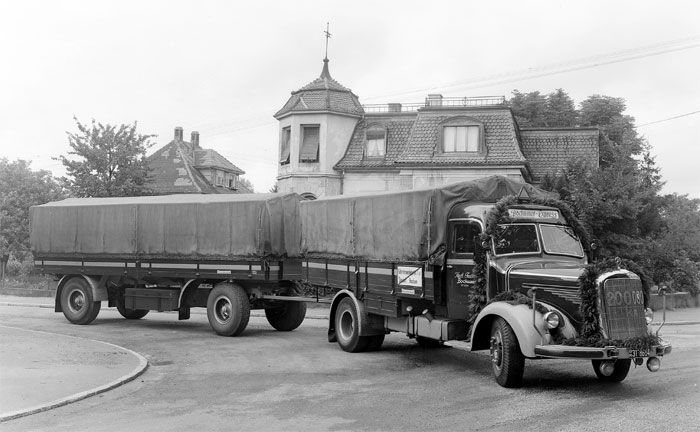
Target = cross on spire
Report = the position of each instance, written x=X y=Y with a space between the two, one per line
x=328 y=36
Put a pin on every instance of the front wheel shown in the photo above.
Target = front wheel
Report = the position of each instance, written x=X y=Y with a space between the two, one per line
x=228 y=309
x=77 y=301
x=621 y=368
x=286 y=317
x=507 y=361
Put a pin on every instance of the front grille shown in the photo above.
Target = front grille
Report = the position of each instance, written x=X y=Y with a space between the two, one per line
x=622 y=311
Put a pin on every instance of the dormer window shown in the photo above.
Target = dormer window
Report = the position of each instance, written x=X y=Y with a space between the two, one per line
x=375 y=143
x=284 y=145
x=310 y=135
x=460 y=139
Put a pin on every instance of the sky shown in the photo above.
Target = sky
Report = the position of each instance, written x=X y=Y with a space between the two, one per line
x=223 y=68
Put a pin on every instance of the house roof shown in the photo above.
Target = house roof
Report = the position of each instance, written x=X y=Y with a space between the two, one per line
x=172 y=171
x=208 y=158
x=322 y=94
x=414 y=140
x=549 y=150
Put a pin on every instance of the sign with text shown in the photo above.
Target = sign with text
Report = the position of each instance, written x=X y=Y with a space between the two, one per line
x=410 y=276
x=533 y=214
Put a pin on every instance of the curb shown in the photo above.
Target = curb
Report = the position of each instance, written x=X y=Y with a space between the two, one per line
x=136 y=372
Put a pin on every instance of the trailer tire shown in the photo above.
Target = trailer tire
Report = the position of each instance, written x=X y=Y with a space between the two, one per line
x=622 y=368
x=286 y=317
x=347 y=327
x=507 y=361
x=132 y=314
x=77 y=301
x=228 y=309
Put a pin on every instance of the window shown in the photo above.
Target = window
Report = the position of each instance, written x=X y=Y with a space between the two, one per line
x=376 y=143
x=460 y=139
x=516 y=238
x=284 y=145
x=309 y=144
x=560 y=240
x=464 y=237
x=230 y=183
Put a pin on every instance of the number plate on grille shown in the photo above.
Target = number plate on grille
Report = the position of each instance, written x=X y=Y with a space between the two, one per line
x=622 y=313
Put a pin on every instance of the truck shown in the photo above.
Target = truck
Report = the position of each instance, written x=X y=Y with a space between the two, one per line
x=494 y=262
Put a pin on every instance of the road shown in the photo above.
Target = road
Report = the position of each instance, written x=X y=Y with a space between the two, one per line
x=267 y=380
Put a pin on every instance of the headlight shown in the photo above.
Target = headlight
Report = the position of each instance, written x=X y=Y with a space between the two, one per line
x=552 y=320
x=648 y=315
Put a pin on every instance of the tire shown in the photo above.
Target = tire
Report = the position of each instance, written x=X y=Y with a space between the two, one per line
x=375 y=342
x=132 y=314
x=286 y=317
x=428 y=343
x=507 y=361
x=228 y=309
x=622 y=368
x=347 y=327
x=77 y=302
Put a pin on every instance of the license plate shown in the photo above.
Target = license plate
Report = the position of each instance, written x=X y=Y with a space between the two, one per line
x=638 y=353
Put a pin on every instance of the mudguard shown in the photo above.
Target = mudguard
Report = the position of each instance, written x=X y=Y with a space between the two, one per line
x=368 y=325
x=99 y=289
x=519 y=318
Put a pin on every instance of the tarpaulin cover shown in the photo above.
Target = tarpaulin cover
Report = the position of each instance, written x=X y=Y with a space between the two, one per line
x=209 y=226
x=398 y=226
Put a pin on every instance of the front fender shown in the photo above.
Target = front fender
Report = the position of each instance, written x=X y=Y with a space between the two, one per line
x=518 y=317
x=97 y=286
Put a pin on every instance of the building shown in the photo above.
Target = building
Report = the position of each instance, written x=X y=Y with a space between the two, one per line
x=185 y=167
x=330 y=144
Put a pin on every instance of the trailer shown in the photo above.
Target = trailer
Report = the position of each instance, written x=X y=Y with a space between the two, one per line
x=227 y=253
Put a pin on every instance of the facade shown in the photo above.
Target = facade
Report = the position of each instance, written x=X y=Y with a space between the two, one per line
x=330 y=144
x=185 y=167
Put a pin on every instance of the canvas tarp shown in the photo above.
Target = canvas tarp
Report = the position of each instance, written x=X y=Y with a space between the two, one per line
x=400 y=226
x=204 y=226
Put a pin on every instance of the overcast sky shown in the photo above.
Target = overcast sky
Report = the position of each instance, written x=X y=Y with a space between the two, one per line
x=223 y=68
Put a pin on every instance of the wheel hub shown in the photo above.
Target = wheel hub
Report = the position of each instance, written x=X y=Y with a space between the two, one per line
x=496 y=350
x=76 y=300
x=223 y=310
x=346 y=327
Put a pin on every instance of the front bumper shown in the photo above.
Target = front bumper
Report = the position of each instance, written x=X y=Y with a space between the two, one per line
x=593 y=353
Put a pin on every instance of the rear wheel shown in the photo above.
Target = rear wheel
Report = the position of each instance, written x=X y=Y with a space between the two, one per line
x=133 y=314
x=621 y=368
x=507 y=361
x=228 y=309
x=347 y=327
x=286 y=317
x=77 y=301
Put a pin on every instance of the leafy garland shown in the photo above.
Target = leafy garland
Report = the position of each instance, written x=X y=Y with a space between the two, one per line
x=590 y=334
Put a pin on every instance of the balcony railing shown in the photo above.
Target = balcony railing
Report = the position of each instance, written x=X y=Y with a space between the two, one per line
x=436 y=101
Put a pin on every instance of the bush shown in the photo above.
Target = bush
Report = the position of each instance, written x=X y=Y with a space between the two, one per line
x=685 y=275
x=20 y=269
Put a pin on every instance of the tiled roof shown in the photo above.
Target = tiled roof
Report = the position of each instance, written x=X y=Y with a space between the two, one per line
x=172 y=171
x=414 y=140
x=322 y=94
x=208 y=158
x=549 y=150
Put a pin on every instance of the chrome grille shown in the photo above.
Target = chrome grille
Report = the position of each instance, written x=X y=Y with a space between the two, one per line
x=622 y=314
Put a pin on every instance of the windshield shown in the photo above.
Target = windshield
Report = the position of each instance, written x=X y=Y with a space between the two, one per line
x=516 y=238
x=560 y=240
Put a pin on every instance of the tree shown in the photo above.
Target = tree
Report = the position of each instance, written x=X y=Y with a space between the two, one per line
x=22 y=188
x=108 y=161
x=245 y=186
x=533 y=109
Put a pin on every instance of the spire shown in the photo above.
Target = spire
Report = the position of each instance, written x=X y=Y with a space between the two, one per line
x=324 y=72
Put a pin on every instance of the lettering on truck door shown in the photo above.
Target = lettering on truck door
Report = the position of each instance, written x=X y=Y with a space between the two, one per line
x=459 y=265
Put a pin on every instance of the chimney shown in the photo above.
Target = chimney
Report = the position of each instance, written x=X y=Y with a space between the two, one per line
x=434 y=100
x=394 y=107
x=195 y=139
x=178 y=133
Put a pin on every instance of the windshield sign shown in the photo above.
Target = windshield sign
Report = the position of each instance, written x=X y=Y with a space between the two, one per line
x=560 y=240
x=517 y=238
x=533 y=214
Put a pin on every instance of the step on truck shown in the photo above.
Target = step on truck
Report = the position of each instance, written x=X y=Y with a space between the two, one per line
x=474 y=262
x=226 y=253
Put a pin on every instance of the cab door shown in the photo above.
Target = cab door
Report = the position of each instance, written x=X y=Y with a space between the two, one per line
x=459 y=264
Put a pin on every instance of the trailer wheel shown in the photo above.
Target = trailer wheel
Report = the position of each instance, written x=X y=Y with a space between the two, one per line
x=620 y=371
x=132 y=314
x=77 y=303
x=347 y=327
x=228 y=309
x=507 y=362
x=286 y=317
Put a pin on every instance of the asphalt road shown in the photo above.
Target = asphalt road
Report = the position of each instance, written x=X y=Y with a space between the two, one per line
x=267 y=380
